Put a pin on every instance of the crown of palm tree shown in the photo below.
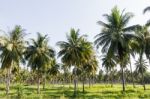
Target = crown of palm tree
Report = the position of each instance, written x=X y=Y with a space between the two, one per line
x=141 y=66
x=76 y=50
x=39 y=54
x=115 y=34
x=12 y=47
x=146 y=9
x=108 y=63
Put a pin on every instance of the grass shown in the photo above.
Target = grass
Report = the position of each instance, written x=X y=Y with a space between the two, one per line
x=98 y=91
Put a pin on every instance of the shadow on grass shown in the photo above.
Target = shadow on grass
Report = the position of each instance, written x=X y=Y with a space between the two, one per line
x=108 y=92
x=61 y=92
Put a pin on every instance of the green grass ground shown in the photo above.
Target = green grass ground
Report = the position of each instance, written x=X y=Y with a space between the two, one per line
x=98 y=91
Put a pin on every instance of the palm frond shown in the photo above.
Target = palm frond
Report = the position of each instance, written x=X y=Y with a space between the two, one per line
x=146 y=9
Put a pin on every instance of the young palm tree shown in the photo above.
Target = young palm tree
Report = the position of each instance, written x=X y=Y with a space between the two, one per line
x=12 y=47
x=74 y=52
x=115 y=36
x=141 y=67
x=39 y=56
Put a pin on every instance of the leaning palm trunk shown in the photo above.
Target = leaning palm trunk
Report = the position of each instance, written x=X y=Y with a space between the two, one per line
x=8 y=81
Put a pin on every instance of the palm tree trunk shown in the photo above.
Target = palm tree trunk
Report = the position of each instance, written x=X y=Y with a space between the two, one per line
x=111 y=78
x=70 y=81
x=123 y=81
x=44 y=82
x=89 y=81
x=83 y=84
x=92 y=80
x=132 y=75
x=75 y=83
x=38 y=85
x=75 y=87
x=64 y=80
x=8 y=81
x=112 y=82
x=143 y=83
x=107 y=78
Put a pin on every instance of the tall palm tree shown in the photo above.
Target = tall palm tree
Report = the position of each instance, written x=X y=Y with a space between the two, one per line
x=115 y=36
x=12 y=47
x=74 y=52
x=39 y=56
x=133 y=45
x=143 y=46
x=143 y=42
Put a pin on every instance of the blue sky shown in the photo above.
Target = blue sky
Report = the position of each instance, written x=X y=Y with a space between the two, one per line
x=56 y=17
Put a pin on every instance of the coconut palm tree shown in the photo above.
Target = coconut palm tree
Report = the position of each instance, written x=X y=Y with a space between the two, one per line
x=89 y=69
x=66 y=73
x=39 y=55
x=12 y=47
x=143 y=44
x=133 y=46
x=74 y=52
x=108 y=64
x=115 y=36
x=54 y=70
x=141 y=67
x=45 y=69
